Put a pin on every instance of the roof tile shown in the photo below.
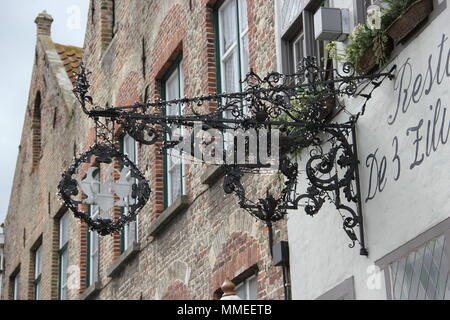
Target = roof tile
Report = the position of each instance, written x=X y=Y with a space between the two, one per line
x=71 y=57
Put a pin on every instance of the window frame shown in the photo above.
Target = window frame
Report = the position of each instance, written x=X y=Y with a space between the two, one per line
x=360 y=10
x=37 y=272
x=93 y=237
x=246 y=283
x=63 y=254
x=413 y=253
x=302 y=25
x=178 y=68
x=238 y=44
x=235 y=49
x=415 y=244
x=343 y=291
x=125 y=238
x=15 y=287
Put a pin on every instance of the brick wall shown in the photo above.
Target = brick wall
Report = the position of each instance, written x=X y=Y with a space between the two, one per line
x=213 y=239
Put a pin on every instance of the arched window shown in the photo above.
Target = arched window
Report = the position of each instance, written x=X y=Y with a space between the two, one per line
x=36 y=130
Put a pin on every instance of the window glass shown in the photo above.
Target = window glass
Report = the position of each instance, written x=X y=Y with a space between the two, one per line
x=228 y=16
x=234 y=50
x=248 y=289
x=297 y=52
x=288 y=11
x=94 y=238
x=174 y=186
x=16 y=287
x=37 y=273
x=422 y=274
x=63 y=230
x=63 y=255
x=243 y=19
x=129 y=147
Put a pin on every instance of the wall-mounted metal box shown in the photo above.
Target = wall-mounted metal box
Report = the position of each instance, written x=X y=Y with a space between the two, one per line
x=280 y=253
x=331 y=24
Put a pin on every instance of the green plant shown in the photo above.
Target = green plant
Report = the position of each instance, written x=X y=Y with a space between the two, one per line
x=393 y=9
x=362 y=39
x=333 y=52
x=302 y=108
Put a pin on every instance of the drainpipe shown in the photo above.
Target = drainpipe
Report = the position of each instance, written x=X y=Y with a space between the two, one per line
x=280 y=258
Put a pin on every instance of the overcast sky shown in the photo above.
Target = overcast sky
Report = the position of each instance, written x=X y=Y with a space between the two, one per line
x=17 y=41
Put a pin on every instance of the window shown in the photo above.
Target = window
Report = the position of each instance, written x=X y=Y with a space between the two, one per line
x=93 y=237
x=424 y=273
x=298 y=40
x=233 y=44
x=174 y=185
x=129 y=234
x=37 y=273
x=297 y=51
x=343 y=291
x=63 y=254
x=360 y=9
x=113 y=16
x=15 y=286
x=248 y=289
x=36 y=128
x=233 y=51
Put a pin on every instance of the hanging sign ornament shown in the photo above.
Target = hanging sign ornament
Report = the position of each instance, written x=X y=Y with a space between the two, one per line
x=123 y=186
x=295 y=108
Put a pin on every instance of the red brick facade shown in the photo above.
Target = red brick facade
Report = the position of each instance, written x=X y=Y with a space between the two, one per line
x=129 y=47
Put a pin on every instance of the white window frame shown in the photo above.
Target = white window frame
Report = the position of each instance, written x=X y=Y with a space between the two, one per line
x=130 y=231
x=16 y=287
x=94 y=239
x=63 y=255
x=236 y=46
x=170 y=153
x=37 y=272
x=246 y=284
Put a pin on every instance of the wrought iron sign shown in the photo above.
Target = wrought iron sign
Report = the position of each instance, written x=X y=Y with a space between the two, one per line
x=296 y=109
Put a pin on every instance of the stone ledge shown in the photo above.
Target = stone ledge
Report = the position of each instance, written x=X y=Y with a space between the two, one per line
x=212 y=174
x=91 y=291
x=119 y=264
x=163 y=220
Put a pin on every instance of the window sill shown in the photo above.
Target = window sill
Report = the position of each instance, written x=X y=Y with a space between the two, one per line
x=212 y=175
x=181 y=204
x=91 y=291
x=118 y=265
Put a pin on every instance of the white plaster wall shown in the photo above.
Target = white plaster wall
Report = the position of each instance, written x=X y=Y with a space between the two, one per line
x=320 y=257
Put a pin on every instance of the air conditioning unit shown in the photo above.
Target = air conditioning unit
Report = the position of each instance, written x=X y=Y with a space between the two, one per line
x=331 y=24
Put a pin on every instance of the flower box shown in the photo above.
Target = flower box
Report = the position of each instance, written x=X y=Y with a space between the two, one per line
x=410 y=20
x=368 y=61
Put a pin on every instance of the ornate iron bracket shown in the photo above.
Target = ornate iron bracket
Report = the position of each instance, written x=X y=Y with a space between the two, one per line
x=296 y=106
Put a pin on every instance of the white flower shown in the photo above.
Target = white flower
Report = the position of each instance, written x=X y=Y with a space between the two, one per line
x=374 y=17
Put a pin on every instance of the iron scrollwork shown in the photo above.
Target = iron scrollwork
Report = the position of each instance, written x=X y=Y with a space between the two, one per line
x=124 y=188
x=298 y=105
